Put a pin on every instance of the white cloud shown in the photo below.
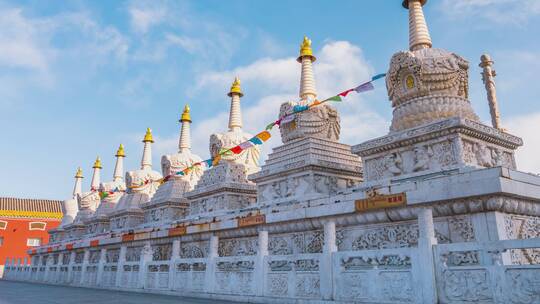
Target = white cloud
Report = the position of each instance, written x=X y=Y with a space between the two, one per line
x=21 y=44
x=144 y=15
x=340 y=65
x=525 y=126
x=514 y=12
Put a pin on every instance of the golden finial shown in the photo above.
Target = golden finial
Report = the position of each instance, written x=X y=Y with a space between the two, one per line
x=235 y=88
x=148 y=136
x=305 y=50
x=120 y=152
x=79 y=173
x=97 y=163
x=185 y=115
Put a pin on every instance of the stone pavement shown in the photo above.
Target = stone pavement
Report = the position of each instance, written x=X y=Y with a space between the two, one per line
x=26 y=293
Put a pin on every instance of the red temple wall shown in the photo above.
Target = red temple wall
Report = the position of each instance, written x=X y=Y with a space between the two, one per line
x=17 y=233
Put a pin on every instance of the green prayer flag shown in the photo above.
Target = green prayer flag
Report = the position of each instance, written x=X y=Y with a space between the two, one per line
x=335 y=98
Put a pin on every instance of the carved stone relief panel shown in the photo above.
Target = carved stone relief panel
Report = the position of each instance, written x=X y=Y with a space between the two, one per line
x=238 y=247
x=398 y=286
x=523 y=227
x=112 y=255
x=296 y=243
x=194 y=249
x=162 y=252
x=523 y=285
x=482 y=154
x=469 y=286
x=94 y=256
x=79 y=256
x=133 y=254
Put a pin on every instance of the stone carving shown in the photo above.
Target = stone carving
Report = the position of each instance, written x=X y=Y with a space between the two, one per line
x=171 y=164
x=470 y=286
x=524 y=285
x=306 y=265
x=249 y=157
x=387 y=237
x=112 y=255
x=426 y=85
x=133 y=254
x=193 y=250
x=79 y=256
x=385 y=261
x=145 y=181
x=295 y=243
x=162 y=252
x=278 y=284
x=461 y=258
x=237 y=247
x=94 y=257
x=422 y=156
x=308 y=285
x=463 y=227
x=397 y=286
x=321 y=122
x=236 y=266
x=393 y=163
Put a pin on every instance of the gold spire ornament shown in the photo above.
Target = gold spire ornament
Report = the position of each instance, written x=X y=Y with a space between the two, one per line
x=235 y=88
x=185 y=115
x=79 y=173
x=305 y=50
x=120 y=152
x=97 y=163
x=148 y=136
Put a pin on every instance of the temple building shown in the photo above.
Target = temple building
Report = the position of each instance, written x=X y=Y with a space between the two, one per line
x=435 y=211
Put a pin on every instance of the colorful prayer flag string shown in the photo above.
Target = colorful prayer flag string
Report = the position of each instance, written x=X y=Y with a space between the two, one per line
x=263 y=136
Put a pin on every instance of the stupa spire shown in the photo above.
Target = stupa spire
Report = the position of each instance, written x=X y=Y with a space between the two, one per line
x=488 y=76
x=96 y=176
x=307 y=80
x=418 y=31
x=77 y=189
x=185 y=132
x=119 y=167
x=146 y=162
x=235 y=115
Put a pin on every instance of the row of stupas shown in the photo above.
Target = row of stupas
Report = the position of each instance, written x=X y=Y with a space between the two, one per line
x=424 y=85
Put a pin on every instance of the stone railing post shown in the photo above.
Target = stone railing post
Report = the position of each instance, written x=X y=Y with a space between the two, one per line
x=71 y=264
x=120 y=265
x=101 y=265
x=58 y=267
x=325 y=270
x=211 y=263
x=48 y=263
x=426 y=267
x=84 y=266
x=174 y=256
x=38 y=266
x=260 y=267
x=146 y=256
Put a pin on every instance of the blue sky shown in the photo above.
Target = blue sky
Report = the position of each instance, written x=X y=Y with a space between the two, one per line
x=78 y=78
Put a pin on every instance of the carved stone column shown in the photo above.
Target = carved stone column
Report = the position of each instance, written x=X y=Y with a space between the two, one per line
x=48 y=263
x=211 y=263
x=329 y=248
x=101 y=262
x=426 y=266
x=84 y=265
x=121 y=261
x=260 y=266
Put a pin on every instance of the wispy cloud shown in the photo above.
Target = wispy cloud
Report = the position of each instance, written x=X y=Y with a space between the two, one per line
x=146 y=14
x=515 y=12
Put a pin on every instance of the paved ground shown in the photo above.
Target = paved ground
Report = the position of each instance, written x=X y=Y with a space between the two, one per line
x=26 y=293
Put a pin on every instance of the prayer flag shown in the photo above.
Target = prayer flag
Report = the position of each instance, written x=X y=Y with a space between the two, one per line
x=216 y=160
x=344 y=93
x=299 y=108
x=287 y=118
x=236 y=149
x=378 y=76
x=255 y=141
x=246 y=145
x=270 y=126
x=264 y=135
x=368 y=86
x=208 y=162
x=335 y=98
